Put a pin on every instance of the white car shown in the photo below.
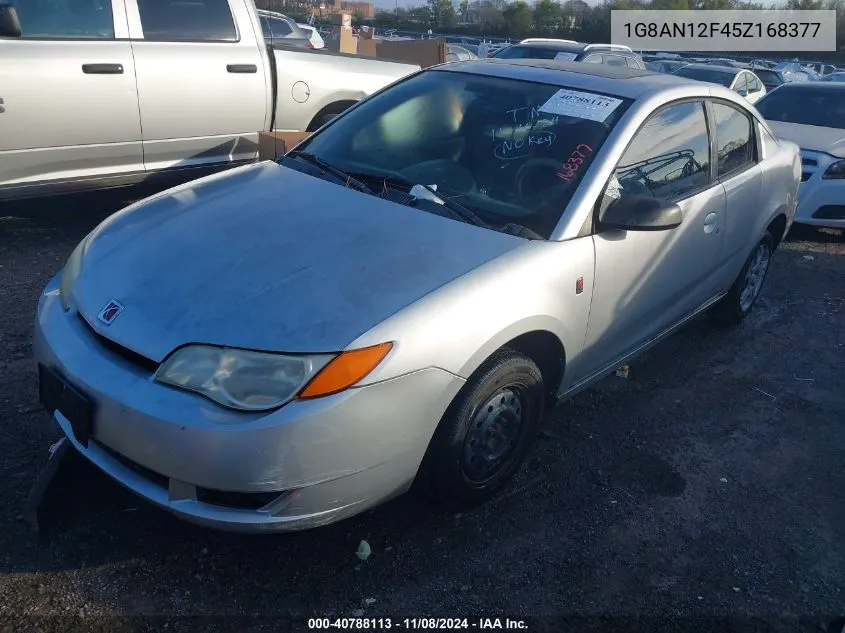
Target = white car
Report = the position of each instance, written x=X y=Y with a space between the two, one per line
x=812 y=115
x=743 y=82
x=314 y=35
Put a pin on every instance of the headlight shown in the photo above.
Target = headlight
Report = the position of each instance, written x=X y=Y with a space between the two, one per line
x=835 y=172
x=70 y=273
x=259 y=381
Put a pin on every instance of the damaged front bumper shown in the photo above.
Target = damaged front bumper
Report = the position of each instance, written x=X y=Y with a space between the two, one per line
x=307 y=464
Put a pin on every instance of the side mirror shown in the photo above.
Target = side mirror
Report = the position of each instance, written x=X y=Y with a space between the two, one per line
x=10 y=26
x=641 y=213
x=742 y=92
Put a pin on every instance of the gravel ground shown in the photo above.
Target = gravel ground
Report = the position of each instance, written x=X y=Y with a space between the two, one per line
x=709 y=483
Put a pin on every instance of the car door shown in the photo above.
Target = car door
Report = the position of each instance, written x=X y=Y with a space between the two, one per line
x=68 y=103
x=739 y=171
x=201 y=81
x=647 y=281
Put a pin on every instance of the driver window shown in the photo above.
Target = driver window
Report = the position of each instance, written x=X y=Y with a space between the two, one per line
x=669 y=156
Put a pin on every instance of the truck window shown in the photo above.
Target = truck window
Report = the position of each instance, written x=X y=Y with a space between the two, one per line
x=187 y=21
x=65 y=19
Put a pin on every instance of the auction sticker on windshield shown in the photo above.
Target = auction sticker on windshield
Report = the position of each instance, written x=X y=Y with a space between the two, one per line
x=581 y=105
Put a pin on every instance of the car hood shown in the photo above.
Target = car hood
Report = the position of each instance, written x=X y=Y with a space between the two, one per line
x=812 y=137
x=267 y=258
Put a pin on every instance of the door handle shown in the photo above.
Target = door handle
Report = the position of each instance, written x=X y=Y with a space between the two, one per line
x=242 y=68
x=2 y=106
x=102 y=69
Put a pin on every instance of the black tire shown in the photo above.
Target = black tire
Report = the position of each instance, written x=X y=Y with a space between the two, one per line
x=449 y=474
x=734 y=307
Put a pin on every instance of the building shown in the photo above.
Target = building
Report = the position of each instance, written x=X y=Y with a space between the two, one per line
x=325 y=7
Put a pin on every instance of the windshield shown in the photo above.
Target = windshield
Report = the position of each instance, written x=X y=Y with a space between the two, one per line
x=822 y=106
x=707 y=74
x=512 y=152
x=768 y=77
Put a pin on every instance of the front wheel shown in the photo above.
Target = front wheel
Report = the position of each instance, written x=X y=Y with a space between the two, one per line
x=736 y=305
x=485 y=433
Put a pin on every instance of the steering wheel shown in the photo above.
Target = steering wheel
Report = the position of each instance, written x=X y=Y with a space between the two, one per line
x=447 y=174
x=533 y=164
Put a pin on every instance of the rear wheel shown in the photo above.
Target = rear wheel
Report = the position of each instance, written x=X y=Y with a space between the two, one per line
x=485 y=433
x=736 y=305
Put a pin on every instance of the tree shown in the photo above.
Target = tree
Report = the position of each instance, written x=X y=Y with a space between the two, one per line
x=442 y=13
x=489 y=17
x=518 y=18
x=547 y=16
x=464 y=10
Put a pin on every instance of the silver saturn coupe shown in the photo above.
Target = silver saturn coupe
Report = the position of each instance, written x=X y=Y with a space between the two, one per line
x=398 y=299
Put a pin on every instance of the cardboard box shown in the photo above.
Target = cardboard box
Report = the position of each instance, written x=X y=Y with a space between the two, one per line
x=342 y=41
x=341 y=19
x=423 y=52
x=367 y=47
x=272 y=144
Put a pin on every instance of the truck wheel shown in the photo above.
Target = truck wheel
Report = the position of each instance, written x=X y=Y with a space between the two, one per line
x=485 y=433
x=736 y=305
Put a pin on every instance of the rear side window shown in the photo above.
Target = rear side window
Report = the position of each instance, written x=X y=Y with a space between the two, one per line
x=187 y=21
x=593 y=59
x=741 y=82
x=633 y=63
x=734 y=140
x=65 y=19
x=528 y=52
x=754 y=84
x=615 y=60
x=280 y=28
x=668 y=158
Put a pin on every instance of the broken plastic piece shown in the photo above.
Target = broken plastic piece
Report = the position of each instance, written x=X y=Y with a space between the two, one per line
x=363 y=552
x=421 y=193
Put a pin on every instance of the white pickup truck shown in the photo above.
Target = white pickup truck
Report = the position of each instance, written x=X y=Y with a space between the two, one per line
x=100 y=93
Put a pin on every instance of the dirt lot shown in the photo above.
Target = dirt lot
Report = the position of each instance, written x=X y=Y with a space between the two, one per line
x=711 y=482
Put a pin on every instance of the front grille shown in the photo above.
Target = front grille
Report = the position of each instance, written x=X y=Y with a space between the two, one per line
x=805 y=176
x=116 y=348
x=830 y=212
x=237 y=500
x=157 y=478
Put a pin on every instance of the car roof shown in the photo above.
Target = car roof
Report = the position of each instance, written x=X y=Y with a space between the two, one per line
x=812 y=85
x=728 y=69
x=621 y=81
x=560 y=45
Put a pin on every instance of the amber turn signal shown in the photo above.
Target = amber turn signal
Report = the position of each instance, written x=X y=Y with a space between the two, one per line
x=345 y=370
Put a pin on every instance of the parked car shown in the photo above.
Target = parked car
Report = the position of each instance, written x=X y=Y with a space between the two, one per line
x=567 y=50
x=280 y=30
x=812 y=115
x=664 y=66
x=795 y=72
x=184 y=86
x=455 y=53
x=314 y=36
x=762 y=63
x=821 y=69
x=743 y=82
x=357 y=339
x=773 y=78
x=837 y=76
